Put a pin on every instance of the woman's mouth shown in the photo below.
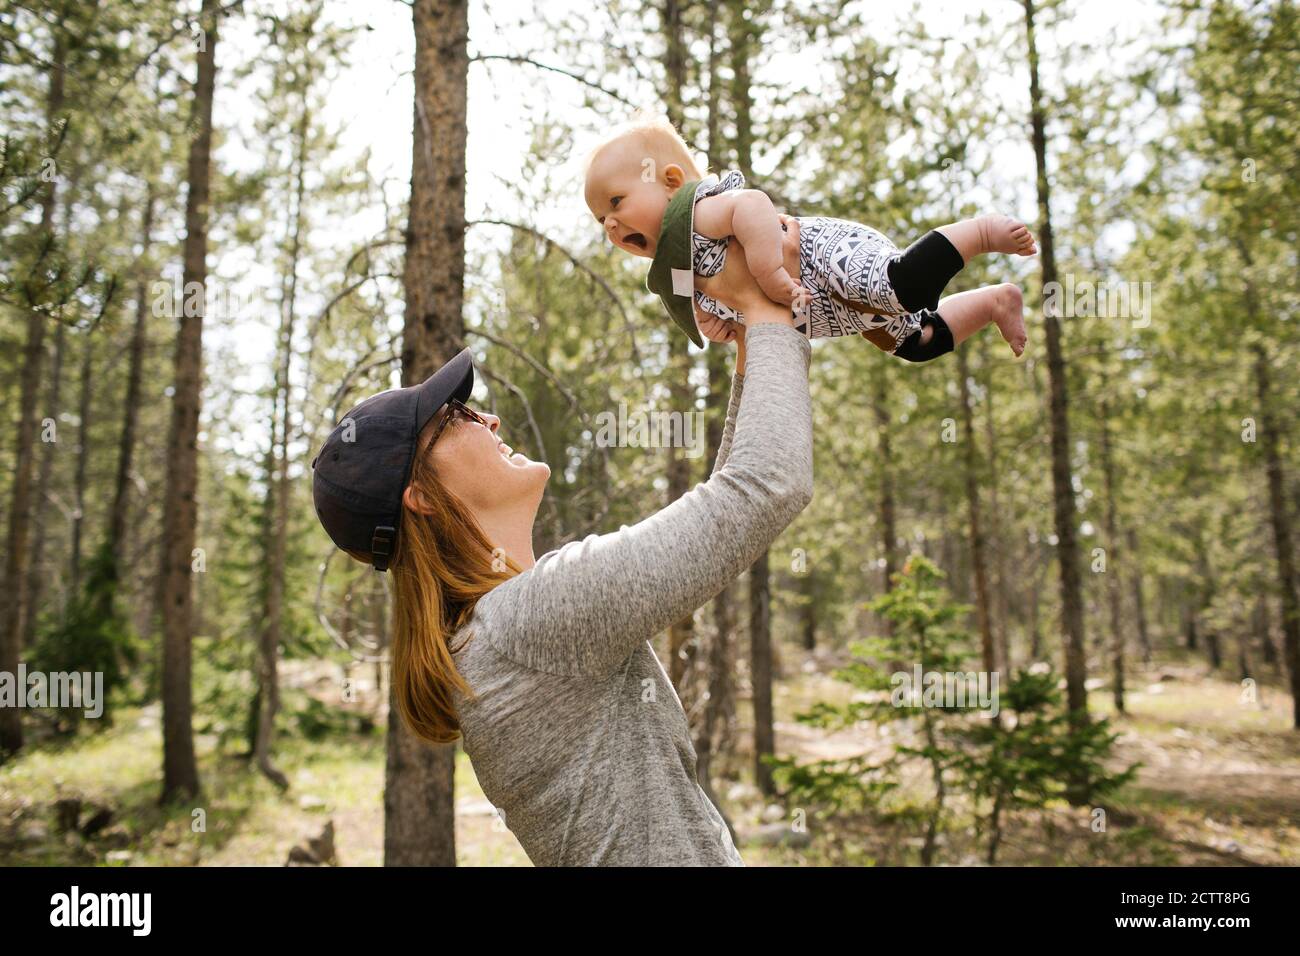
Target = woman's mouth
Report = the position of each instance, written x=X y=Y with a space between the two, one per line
x=508 y=454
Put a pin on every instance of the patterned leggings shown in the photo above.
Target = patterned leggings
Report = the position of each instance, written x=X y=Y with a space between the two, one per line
x=866 y=285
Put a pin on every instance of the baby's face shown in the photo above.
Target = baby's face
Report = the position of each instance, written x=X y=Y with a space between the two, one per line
x=628 y=208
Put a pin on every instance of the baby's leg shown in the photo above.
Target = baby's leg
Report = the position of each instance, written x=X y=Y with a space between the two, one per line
x=991 y=233
x=967 y=312
x=919 y=274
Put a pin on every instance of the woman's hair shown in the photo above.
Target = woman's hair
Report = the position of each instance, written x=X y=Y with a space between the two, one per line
x=442 y=564
x=656 y=133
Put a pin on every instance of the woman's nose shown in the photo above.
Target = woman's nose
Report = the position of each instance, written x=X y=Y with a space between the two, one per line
x=494 y=423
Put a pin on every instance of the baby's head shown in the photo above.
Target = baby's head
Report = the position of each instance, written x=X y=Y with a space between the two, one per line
x=631 y=176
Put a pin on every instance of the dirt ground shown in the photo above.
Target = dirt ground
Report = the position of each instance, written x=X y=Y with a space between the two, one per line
x=1219 y=785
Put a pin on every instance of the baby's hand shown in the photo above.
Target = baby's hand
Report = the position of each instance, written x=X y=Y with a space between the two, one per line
x=777 y=285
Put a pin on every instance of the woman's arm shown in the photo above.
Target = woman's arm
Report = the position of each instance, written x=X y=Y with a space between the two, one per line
x=729 y=424
x=727 y=291
x=736 y=335
x=583 y=608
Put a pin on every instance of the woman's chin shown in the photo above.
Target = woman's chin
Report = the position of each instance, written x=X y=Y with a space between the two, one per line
x=521 y=463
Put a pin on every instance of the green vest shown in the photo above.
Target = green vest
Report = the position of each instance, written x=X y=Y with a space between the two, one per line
x=672 y=276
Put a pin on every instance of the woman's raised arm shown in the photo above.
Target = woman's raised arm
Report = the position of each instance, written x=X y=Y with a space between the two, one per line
x=583 y=608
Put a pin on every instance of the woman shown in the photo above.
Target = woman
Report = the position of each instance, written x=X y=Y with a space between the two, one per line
x=542 y=665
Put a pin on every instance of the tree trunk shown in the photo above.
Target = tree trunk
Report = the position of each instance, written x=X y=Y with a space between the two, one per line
x=1281 y=523
x=885 y=495
x=180 y=504
x=83 y=456
x=36 y=571
x=16 y=608
x=998 y=616
x=1262 y=634
x=979 y=559
x=1063 y=491
x=1139 y=597
x=131 y=401
x=808 y=584
x=419 y=792
x=1114 y=582
x=277 y=472
x=1213 y=651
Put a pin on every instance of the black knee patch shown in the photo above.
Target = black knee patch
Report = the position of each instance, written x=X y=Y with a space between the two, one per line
x=913 y=350
x=923 y=269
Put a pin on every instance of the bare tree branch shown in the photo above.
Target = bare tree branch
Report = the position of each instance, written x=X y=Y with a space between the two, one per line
x=512 y=58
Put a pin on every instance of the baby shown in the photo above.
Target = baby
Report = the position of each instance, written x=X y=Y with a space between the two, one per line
x=644 y=188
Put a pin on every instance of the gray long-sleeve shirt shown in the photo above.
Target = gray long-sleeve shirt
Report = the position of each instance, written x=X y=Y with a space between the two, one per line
x=576 y=735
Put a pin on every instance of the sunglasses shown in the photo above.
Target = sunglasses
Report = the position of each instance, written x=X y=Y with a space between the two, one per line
x=455 y=409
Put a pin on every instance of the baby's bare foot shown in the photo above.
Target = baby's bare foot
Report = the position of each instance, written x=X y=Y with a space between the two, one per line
x=1003 y=234
x=1009 y=316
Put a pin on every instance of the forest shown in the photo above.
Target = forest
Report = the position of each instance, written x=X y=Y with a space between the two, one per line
x=223 y=223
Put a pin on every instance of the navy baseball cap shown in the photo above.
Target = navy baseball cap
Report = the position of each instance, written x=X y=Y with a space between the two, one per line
x=363 y=467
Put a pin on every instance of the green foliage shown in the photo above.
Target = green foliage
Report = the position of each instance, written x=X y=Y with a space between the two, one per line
x=314 y=720
x=925 y=631
x=1034 y=757
x=1025 y=758
x=92 y=636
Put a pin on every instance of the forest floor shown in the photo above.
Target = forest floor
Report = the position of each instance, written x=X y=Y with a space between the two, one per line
x=1219 y=785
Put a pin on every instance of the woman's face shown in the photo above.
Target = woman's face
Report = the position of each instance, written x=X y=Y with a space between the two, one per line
x=476 y=466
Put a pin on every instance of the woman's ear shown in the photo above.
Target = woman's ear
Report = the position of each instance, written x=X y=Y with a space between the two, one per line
x=674 y=176
x=412 y=499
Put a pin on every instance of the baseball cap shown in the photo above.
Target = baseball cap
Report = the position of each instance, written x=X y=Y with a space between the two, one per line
x=362 y=469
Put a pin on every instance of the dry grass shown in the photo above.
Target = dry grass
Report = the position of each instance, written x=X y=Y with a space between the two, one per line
x=1220 y=785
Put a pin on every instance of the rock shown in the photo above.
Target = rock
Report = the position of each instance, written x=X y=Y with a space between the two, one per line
x=100 y=818
x=300 y=857
x=322 y=847
x=319 y=850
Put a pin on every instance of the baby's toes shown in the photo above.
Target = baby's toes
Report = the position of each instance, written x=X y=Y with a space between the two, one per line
x=1024 y=240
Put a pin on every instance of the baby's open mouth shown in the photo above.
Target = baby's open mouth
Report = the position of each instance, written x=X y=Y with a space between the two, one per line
x=635 y=239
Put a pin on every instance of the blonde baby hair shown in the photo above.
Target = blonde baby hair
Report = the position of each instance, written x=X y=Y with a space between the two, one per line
x=660 y=139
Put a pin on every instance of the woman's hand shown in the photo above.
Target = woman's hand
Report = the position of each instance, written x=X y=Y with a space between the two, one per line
x=735 y=287
x=713 y=328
